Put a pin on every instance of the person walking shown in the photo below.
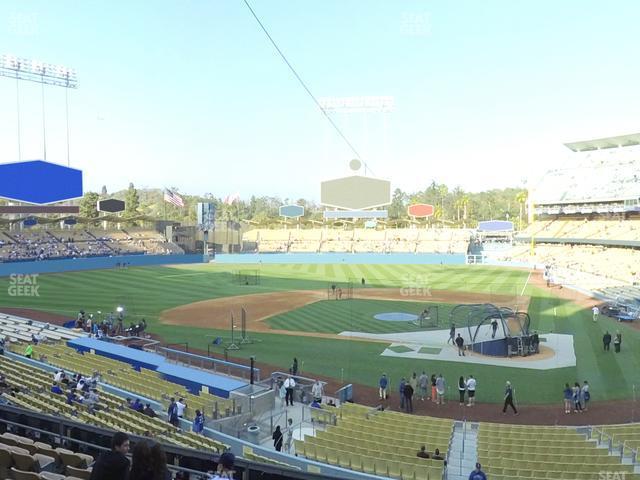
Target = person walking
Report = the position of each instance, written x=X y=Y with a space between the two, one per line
x=596 y=313
x=294 y=367
x=508 y=399
x=401 y=392
x=471 y=391
x=460 y=344
x=288 y=436
x=277 y=439
x=577 y=405
x=440 y=389
x=408 y=397
x=452 y=334
x=568 y=396
x=462 y=388
x=423 y=383
x=617 y=342
x=289 y=385
x=382 y=384
x=477 y=474
x=585 y=395
x=606 y=340
x=494 y=327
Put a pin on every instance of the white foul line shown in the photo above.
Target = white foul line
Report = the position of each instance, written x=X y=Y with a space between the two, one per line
x=525 y=284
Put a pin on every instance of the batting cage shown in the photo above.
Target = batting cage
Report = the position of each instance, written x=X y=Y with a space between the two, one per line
x=246 y=277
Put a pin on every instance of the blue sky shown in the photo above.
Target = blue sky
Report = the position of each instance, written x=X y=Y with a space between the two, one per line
x=191 y=94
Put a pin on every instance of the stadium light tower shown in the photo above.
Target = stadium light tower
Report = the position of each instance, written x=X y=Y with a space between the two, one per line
x=44 y=74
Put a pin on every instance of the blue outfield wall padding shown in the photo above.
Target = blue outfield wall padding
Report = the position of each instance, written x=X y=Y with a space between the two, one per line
x=346 y=258
x=193 y=379
x=94 y=263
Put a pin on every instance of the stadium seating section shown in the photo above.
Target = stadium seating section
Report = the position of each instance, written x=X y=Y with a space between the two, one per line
x=380 y=443
x=418 y=240
x=40 y=244
x=598 y=177
x=530 y=452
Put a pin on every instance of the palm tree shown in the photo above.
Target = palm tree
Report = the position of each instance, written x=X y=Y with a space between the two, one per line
x=521 y=198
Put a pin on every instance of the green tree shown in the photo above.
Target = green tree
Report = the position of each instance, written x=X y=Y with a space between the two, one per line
x=398 y=207
x=132 y=202
x=89 y=205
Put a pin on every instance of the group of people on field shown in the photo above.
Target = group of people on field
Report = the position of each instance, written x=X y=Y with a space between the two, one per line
x=576 y=398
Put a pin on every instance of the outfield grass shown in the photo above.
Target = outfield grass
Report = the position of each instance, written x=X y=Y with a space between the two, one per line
x=147 y=291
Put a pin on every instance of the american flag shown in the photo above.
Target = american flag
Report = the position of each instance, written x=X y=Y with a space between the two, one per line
x=173 y=198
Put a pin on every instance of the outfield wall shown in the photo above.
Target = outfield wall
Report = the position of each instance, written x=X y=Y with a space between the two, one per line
x=348 y=258
x=94 y=263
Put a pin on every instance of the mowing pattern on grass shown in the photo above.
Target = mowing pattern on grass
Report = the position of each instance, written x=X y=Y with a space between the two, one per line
x=352 y=315
x=148 y=291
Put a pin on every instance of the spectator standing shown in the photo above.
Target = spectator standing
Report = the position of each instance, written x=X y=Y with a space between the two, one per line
x=198 y=422
x=149 y=462
x=181 y=405
x=577 y=404
x=568 y=396
x=403 y=382
x=316 y=391
x=508 y=399
x=413 y=381
x=460 y=344
x=294 y=367
x=172 y=413
x=585 y=395
x=423 y=383
x=277 y=439
x=462 y=388
x=606 y=340
x=434 y=393
x=477 y=474
x=617 y=342
x=289 y=385
x=471 y=390
x=408 y=397
x=113 y=465
x=440 y=389
x=382 y=384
